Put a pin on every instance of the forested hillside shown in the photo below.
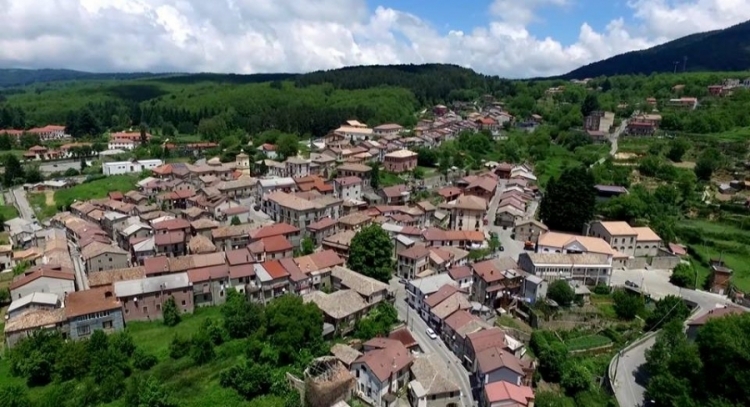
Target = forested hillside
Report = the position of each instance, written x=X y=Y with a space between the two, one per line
x=22 y=77
x=304 y=104
x=720 y=50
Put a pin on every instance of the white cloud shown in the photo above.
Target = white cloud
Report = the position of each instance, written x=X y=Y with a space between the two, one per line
x=250 y=36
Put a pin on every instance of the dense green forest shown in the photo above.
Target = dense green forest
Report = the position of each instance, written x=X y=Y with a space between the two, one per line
x=304 y=104
x=22 y=77
x=719 y=50
x=712 y=371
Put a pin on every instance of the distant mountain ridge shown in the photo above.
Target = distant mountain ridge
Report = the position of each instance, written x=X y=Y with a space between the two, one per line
x=22 y=77
x=719 y=50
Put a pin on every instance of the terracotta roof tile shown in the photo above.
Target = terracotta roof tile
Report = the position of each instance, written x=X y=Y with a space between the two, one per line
x=89 y=301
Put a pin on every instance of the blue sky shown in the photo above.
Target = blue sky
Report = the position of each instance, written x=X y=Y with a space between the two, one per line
x=561 y=23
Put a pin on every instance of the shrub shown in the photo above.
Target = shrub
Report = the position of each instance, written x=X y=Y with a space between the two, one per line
x=179 y=347
x=143 y=360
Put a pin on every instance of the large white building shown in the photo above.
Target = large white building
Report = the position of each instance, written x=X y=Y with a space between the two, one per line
x=129 y=167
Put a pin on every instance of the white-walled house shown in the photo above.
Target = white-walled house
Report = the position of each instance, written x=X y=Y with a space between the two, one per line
x=129 y=167
x=383 y=369
x=348 y=188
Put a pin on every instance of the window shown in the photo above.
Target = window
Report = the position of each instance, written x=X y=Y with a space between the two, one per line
x=158 y=307
x=183 y=302
x=83 y=330
x=107 y=324
x=145 y=310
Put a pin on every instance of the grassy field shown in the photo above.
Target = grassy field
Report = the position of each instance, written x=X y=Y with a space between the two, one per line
x=388 y=179
x=714 y=240
x=191 y=385
x=8 y=212
x=38 y=202
x=587 y=342
x=95 y=189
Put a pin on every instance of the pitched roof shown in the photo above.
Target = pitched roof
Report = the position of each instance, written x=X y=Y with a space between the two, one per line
x=200 y=244
x=345 y=353
x=459 y=272
x=502 y=391
x=560 y=240
x=496 y=269
x=172 y=224
x=210 y=273
x=494 y=358
x=431 y=375
x=646 y=234
x=459 y=319
x=404 y=336
x=271 y=244
x=486 y=338
x=383 y=362
x=322 y=224
x=456 y=301
x=440 y=295
x=110 y=276
x=395 y=190
x=415 y=252
x=98 y=248
x=295 y=274
x=339 y=304
x=275 y=269
x=618 y=228
x=29 y=277
x=89 y=301
x=360 y=283
x=275 y=229
x=716 y=313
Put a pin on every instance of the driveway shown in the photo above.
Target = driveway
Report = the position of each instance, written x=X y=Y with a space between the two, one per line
x=433 y=347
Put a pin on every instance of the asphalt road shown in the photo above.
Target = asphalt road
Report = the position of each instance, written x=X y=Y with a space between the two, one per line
x=629 y=379
x=24 y=208
x=434 y=347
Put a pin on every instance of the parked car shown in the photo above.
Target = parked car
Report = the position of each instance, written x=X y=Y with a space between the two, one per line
x=431 y=333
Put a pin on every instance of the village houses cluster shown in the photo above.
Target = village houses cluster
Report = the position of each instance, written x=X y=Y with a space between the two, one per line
x=194 y=231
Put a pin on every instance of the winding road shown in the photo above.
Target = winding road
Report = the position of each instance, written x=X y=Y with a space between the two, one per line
x=628 y=378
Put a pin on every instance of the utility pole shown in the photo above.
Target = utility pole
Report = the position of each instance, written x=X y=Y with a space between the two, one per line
x=676 y=64
x=684 y=63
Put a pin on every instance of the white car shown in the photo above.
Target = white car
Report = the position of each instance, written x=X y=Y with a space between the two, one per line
x=431 y=333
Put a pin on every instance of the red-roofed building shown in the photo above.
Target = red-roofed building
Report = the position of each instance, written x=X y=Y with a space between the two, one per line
x=504 y=394
x=270 y=248
x=382 y=370
x=170 y=244
x=348 y=188
x=209 y=284
x=487 y=123
x=286 y=230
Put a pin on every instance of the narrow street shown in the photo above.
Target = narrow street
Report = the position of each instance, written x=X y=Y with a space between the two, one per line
x=435 y=347
x=24 y=208
x=82 y=281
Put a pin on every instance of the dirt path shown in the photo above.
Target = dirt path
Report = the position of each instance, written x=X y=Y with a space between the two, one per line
x=49 y=198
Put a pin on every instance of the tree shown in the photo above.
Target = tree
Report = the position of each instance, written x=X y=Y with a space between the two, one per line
x=170 y=313
x=708 y=162
x=669 y=308
x=426 y=157
x=292 y=325
x=83 y=164
x=144 y=137
x=494 y=242
x=308 y=246
x=683 y=275
x=179 y=347
x=378 y=322
x=143 y=361
x=569 y=201
x=5 y=142
x=14 y=172
x=576 y=378
x=147 y=392
x=13 y=395
x=375 y=176
x=418 y=173
x=627 y=305
x=590 y=104
x=235 y=220
x=561 y=292
x=21 y=267
x=201 y=348
x=249 y=378
x=370 y=253
x=677 y=148
x=33 y=175
x=241 y=318
x=287 y=145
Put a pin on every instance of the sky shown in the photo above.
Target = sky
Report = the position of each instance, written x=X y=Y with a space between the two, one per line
x=509 y=38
